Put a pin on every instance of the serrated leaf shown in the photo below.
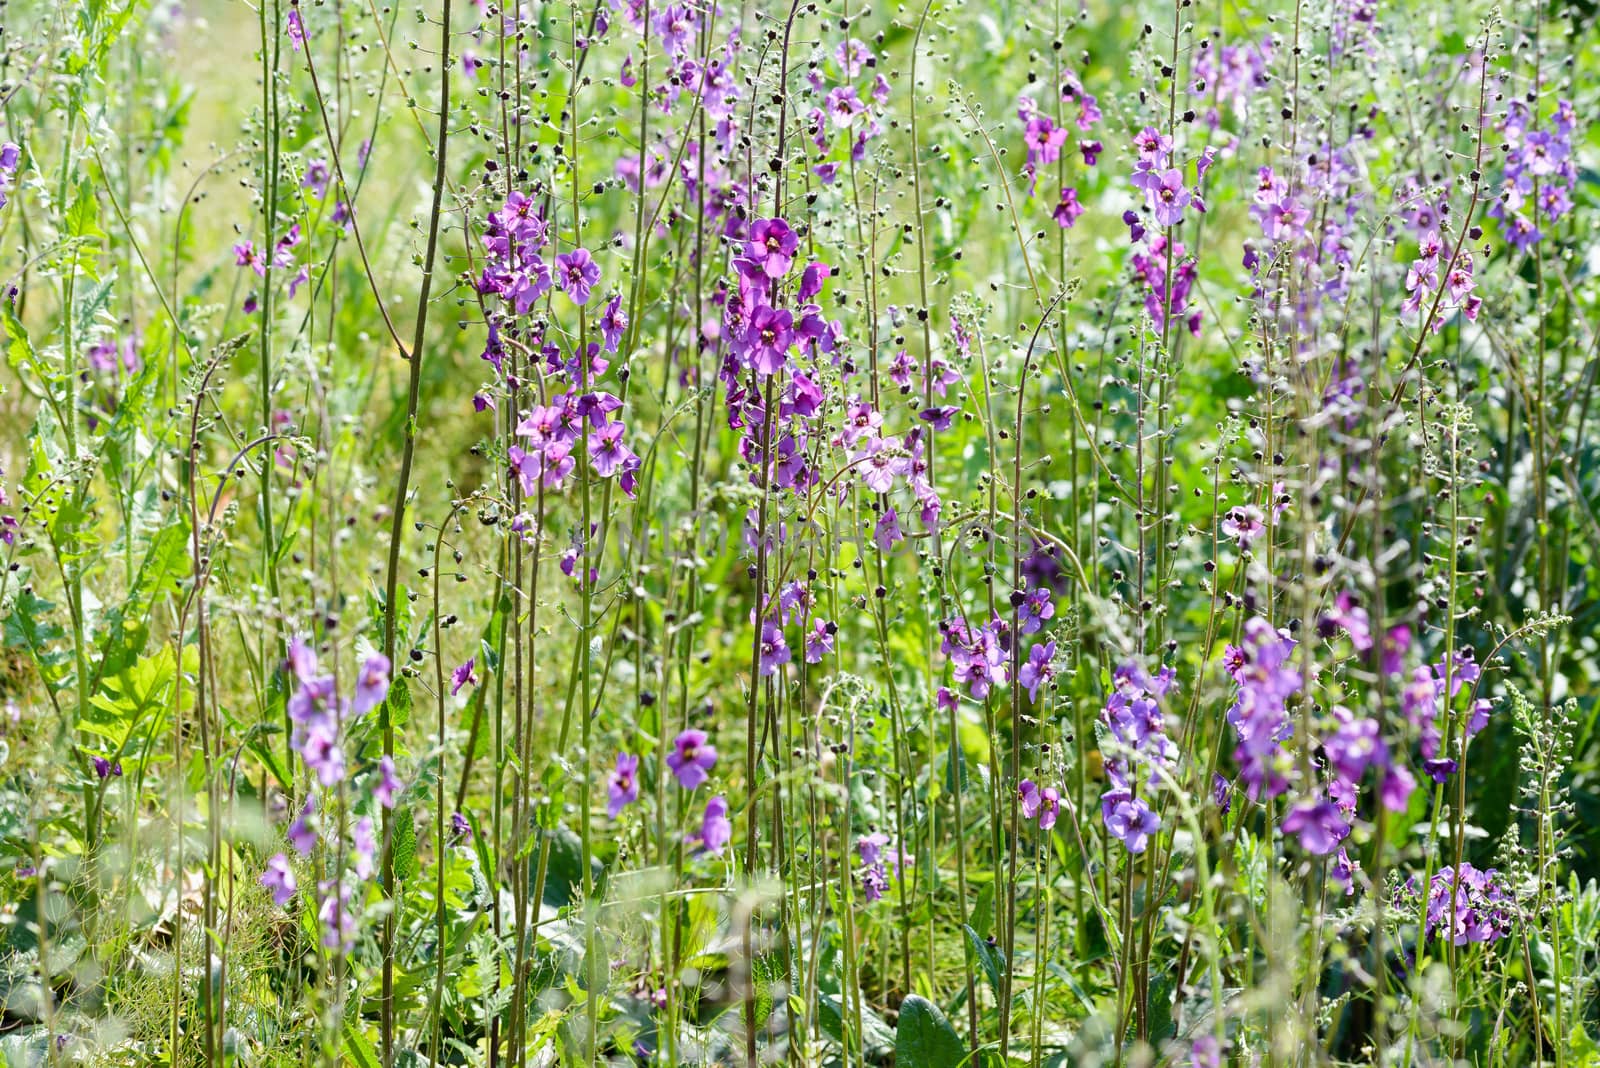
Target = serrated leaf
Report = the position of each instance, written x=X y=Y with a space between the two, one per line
x=28 y=628
x=405 y=843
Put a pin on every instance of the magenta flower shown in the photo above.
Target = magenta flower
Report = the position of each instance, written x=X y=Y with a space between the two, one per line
x=622 y=784
x=363 y=848
x=613 y=323
x=1168 y=197
x=1244 y=524
x=691 y=759
x=716 y=830
x=576 y=274
x=279 y=879
x=1039 y=803
x=1067 y=208
x=1038 y=670
x=607 y=452
x=771 y=247
x=844 y=106
x=464 y=675
x=768 y=338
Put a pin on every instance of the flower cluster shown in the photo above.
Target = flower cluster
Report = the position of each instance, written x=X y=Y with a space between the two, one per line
x=8 y=521
x=877 y=858
x=1231 y=76
x=1425 y=697
x=1540 y=174
x=318 y=715
x=318 y=712
x=10 y=160
x=853 y=93
x=1137 y=730
x=1265 y=681
x=1467 y=904
x=977 y=657
x=1423 y=283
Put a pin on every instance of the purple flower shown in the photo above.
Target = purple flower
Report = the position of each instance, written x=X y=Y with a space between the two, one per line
x=338 y=927
x=1318 y=825
x=1244 y=524
x=576 y=274
x=622 y=784
x=819 y=641
x=279 y=879
x=363 y=847
x=1129 y=819
x=1038 y=670
x=1037 y=606
x=1266 y=680
x=607 y=453
x=771 y=247
x=1221 y=792
x=774 y=650
x=301 y=834
x=870 y=847
x=1395 y=788
x=387 y=787
x=1167 y=197
x=302 y=659
x=372 y=684
x=887 y=534
x=1041 y=803
x=691 y=759
x=843 y=106
x=1343 y=872
x=1472 y=904
x=613 y=322
x=1206 y=1052
x=768 y=337
x=716 y=831
x=464 y=675
x=1067 y=208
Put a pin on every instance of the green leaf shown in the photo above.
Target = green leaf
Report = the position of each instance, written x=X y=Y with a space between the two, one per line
x=564 y=877
x=876 y=1037
x=990 y=958
x=85 y=210
x=405 y=843
x=129 y=697
x=127 y=625
x=397 y=704
x=28 y=628
x=925 y=1038
x=358 y=1047
x=19 y=350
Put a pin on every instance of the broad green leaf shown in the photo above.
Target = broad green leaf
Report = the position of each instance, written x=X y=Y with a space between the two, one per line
x=924 y=1038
